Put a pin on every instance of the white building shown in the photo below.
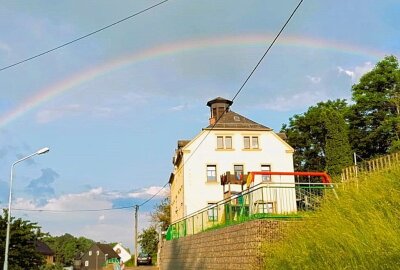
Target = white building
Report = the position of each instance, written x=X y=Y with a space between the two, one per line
x=234 y=144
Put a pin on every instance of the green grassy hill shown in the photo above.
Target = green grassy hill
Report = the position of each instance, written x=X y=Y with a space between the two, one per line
x=360 y=230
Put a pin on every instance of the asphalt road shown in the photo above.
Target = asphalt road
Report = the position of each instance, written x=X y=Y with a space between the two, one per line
x=143 y=267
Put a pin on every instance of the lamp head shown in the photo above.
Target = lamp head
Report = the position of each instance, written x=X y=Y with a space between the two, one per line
x=43 y=151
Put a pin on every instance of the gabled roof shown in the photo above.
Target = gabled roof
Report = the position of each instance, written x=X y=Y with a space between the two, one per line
x=43 y=248
x=107 y=249
x=232 y=120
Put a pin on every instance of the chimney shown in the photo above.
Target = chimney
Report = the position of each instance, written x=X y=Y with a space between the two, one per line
x=218 y=106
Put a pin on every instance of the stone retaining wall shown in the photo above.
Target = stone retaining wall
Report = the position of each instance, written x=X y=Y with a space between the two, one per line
x=233 y=247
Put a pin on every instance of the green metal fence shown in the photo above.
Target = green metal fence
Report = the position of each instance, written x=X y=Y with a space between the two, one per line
x=272 y=200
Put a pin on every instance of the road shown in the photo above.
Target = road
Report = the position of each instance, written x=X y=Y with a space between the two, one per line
x=142 y=267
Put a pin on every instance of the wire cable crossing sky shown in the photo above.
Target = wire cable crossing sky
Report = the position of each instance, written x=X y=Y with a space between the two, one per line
x=112 y=107
x=83 y=37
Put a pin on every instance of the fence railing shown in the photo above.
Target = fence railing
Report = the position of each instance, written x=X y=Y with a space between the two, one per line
x=369 y=166
x=266 y=200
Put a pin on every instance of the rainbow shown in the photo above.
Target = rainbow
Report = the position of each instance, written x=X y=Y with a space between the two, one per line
x=81 y=77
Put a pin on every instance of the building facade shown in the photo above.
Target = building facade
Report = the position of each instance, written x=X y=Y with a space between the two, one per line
x=231 y=143
x=96 y=256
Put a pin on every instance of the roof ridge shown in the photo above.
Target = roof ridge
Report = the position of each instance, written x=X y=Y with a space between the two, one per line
x=234 y=120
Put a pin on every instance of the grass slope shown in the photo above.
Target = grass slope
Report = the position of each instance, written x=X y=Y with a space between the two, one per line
x=361 y=230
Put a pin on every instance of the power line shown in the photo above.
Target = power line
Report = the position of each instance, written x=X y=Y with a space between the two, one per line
x=242 y=86
x=268 y=49
x=82 y=37
x=218 y=119
x=248 y=77
x=93 y=210
x=143 y=203
x=74 y=211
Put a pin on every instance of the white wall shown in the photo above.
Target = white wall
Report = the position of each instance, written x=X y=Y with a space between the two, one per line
x=199 y=192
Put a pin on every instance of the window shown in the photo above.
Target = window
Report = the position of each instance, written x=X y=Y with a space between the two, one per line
x=246 y=142
x=211 y=173
x=220 y=142
x=212 y=212
x=266 y=168
x=228 y=142
x=265 y=207
x=254 y=142
x=86 y=263
x=224 y=142
x=238 y=170
x=90 y=253
x=250 y=142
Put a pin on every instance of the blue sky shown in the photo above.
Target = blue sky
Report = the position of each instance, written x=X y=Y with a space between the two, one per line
x=112 y=137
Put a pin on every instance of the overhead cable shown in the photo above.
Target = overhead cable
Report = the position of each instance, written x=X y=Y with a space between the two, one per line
x=217 y=120
x=82 y=37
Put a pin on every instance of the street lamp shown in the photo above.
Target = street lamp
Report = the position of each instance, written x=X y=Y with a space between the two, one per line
x=39 y=152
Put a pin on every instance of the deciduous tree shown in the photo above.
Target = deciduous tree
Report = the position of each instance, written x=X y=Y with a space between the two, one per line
x=67 y=247
x=162 y=214
x=148 y=240
x=375 y=116
x=22 y=249
x=307 y=134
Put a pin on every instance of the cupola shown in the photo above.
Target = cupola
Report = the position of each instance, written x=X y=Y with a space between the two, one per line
x=218 y=106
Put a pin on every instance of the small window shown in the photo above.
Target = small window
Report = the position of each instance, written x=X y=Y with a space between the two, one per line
x=228 y=142
x=238 y=170
x=265 y=207
x=266 y=168
x=90 y=253
x=220 y=142
x=224 y=142
x=212 y=212
x=246 y=142
x=211 y=173
x=98 y=252
x=254 y=142
x=86 y=263
x=250 y=142
x=221 y=111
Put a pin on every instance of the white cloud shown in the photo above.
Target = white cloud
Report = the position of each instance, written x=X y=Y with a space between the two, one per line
x=294 y=101
x=109 y=226
x=52 y=114
x=150 y=191
x=4 y=47
x=178 y=108
x=95 y=198
x=314 y=80
x=356 y=73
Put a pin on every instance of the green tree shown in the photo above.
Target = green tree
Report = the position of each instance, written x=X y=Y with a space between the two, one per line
x=22 y=249
x=162 y=214
x=148 y=240
x=374 y=118
x=307 y=134
x=338 y=152
x=67 y=247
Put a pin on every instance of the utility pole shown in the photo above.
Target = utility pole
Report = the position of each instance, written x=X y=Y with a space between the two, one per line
x=136 y=235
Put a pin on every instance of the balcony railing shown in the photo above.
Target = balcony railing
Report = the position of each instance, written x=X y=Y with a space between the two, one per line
x=266 y=200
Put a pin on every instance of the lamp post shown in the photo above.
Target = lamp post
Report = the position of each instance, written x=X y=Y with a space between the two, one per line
x=39 y=152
